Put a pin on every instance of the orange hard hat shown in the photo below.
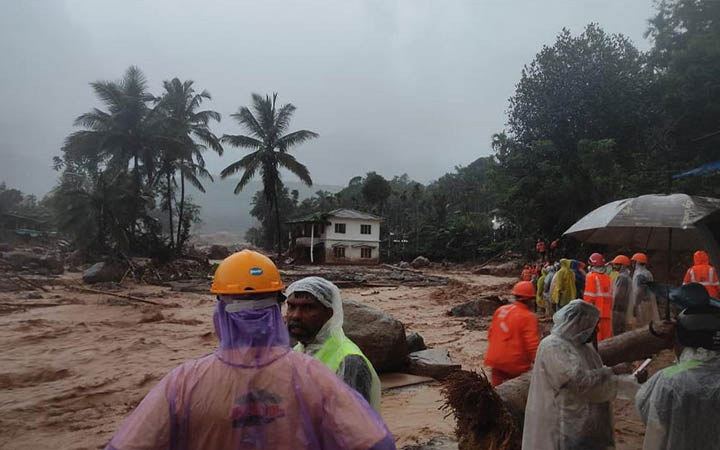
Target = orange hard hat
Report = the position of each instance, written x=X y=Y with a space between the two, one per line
x=621 y=260
x=640 y=257
x=246 y=272
x=524 y=289
x=596 y=260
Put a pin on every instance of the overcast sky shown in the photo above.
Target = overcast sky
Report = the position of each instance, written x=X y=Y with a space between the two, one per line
x=413 y=87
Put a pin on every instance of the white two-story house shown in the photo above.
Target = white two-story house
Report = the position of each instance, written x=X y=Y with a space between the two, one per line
x=342 y=236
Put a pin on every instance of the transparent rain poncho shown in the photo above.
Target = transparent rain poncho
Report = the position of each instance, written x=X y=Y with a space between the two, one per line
x=252 y=393
x=680 y=404
x=331 y=345
x=621 y=299
x=569 y=403
x=642 y=307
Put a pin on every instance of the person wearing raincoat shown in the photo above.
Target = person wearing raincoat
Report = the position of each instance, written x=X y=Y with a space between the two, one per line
x=513 y=336
x=253 y=392
x=539 y=299
x=563 y=289
x=642 y=307
x=621 y=293
x=569 y=404
x=702 y=272
x=680 y=404
x=546 y=290
x=315 y=320
x=598 y=291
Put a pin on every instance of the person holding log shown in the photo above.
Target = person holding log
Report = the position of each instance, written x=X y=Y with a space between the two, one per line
x=680 y=404
x=513 y=336
x=569 y=404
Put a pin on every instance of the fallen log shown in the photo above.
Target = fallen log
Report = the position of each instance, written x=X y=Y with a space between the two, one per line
x=510 y=398
x=112 y=294
x=31 y=284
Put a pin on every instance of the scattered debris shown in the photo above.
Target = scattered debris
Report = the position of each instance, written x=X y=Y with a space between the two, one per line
x=505 y=269
x=367 y=276
x=434 y=362
x=218 y=252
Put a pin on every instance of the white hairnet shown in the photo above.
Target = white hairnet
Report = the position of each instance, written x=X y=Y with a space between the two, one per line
x=576 y=321
x=326 y=293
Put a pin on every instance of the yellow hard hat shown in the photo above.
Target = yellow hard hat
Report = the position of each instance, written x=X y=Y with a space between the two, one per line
x=246 y=272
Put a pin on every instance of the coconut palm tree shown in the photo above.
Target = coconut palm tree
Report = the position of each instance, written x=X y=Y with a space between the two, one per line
x=189 y=135
x=268 y=145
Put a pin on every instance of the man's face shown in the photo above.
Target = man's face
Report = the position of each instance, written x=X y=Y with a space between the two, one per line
x=616 y=267
x=305 y=316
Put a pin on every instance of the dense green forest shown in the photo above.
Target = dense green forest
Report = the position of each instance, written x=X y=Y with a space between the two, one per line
x=592 y=119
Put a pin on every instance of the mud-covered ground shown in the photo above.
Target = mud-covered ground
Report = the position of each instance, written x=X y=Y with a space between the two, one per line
x=75 y=366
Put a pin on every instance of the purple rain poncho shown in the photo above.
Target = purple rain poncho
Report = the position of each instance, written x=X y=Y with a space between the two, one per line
x=252 y=393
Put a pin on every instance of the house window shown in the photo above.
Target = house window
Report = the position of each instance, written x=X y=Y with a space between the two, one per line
x=340 y=228
x=339 y=252
x=366 y=252
x=365 y=229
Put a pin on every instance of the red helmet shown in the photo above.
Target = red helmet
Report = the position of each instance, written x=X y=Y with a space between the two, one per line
x=524 y=289
x=596 y=260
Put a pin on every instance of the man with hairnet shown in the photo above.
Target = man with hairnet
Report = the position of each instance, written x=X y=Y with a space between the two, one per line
x=253 y=392
x=680 y=404
x=315 y=320
x=569 y=404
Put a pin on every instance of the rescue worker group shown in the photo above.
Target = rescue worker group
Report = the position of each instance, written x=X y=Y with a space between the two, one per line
x=256 y=392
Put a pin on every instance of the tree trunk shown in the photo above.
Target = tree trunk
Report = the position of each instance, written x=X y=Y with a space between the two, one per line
x=277 y=223
x=180 y=212
x=512 y=395
x=170 y=211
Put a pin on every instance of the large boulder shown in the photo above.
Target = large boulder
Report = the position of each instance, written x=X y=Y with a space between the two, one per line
x=379 y=335
x=434 y=362
x=481 y=307
x=420 y=262
x=102 y=272
x=506 y=269
x=219 y=252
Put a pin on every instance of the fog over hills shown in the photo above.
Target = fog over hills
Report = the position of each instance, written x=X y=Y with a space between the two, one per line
x=224 y=211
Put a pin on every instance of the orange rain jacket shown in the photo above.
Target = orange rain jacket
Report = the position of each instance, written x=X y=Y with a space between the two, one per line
x=702 y=272
x=512 y=340
x=598 y=291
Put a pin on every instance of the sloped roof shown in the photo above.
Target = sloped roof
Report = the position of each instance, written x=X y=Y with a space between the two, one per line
x=345 y=213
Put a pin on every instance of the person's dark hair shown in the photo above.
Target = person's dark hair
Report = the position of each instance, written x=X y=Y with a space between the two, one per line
x=699 y=327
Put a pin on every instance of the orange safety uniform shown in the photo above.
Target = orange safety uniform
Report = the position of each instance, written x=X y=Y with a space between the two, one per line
x=702 y=272
x=598 y=291
x=513 y=340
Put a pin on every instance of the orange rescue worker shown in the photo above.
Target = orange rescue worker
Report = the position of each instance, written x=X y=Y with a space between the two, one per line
x=702 y=272
x=598 y=291
x=513 y=337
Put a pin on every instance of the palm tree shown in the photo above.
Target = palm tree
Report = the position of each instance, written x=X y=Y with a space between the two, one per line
x=189 y=136
x=269 y=147
x=127 y=133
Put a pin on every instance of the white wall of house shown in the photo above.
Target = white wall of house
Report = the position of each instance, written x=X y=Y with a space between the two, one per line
x=353 y=241
x=352 y=230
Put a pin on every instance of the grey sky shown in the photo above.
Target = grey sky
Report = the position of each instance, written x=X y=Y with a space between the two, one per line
x=413 y=87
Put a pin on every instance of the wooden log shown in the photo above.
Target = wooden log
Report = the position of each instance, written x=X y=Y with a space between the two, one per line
x=31 y=284
x=112 y=294
x=512 y=395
